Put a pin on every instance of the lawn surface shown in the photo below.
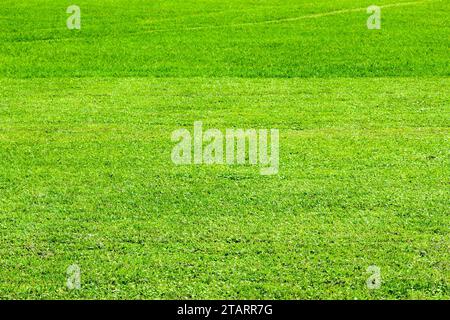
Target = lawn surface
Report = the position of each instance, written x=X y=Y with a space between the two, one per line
x=86 y=176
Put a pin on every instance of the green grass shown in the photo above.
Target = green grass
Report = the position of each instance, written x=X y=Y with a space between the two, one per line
x=86 y=176
x=158 y=38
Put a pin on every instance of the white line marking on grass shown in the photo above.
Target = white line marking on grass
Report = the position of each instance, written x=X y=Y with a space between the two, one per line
x=332 y=13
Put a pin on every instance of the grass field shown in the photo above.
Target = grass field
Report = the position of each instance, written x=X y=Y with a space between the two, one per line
x=86 y=175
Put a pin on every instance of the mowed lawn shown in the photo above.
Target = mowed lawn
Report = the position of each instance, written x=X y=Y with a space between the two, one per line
x=86 y=175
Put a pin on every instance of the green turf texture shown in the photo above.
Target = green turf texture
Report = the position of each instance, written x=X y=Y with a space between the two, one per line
x=86 y=176
x=212 y=38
